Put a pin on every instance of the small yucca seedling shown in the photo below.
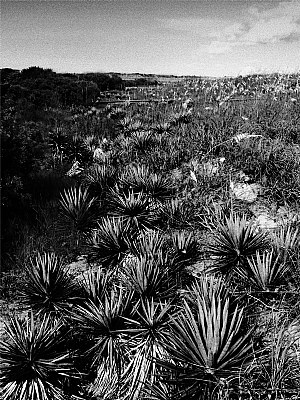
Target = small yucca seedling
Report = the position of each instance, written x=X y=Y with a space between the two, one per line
x=77 y=208
x=34 y=360
x=49 y=288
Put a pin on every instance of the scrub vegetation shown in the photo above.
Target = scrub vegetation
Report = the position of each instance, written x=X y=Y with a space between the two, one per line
x=137 y=262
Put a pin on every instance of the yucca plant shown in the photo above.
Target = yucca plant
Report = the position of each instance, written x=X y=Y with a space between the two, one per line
x=185 y=247
x=235 y=240
x=142 y=141
x=100 y=178
x=49 y=288
x=158 y=187
x=102 y=323
x=149 y=276
x=134 y=177
x=108 y=243
x=77 y=208
x=286 y=241
x=135 y=210
x=139 y=178
x=207 y=344
x=265 y=271
x=146 y=330
x=175 y=214
x=34 y=360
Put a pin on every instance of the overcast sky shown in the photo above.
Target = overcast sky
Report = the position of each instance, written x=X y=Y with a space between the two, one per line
x=210 y=37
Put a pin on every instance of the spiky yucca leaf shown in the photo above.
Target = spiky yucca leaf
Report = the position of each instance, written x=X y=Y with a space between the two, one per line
x=49 y=287
x=77 y=207
x=235 y=239
x=33 y=360
x=206 y=288
x=108 y=243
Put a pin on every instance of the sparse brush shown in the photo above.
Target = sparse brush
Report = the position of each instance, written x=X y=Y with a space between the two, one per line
x=34 y=360
x=49 y=288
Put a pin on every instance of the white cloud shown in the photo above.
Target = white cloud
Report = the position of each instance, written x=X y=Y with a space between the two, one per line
x=257 y=26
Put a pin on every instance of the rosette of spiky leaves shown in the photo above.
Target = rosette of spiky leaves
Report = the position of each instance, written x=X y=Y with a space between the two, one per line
x=139 y=178
x=185 y=247
x=286 y=242
x=108 y=243
x=265 y=271
x=134 y=177
x=161 y=128
x=149 y=276
x=146 y=329
x=103 y=323
x=135 y=210
x=142 y=141
x=34 y=360
x=175 y=214
x=100 y=178
x=207 y=343
x=49 y=288
x=77 y=207
x=158 y=187
x=235 y=240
